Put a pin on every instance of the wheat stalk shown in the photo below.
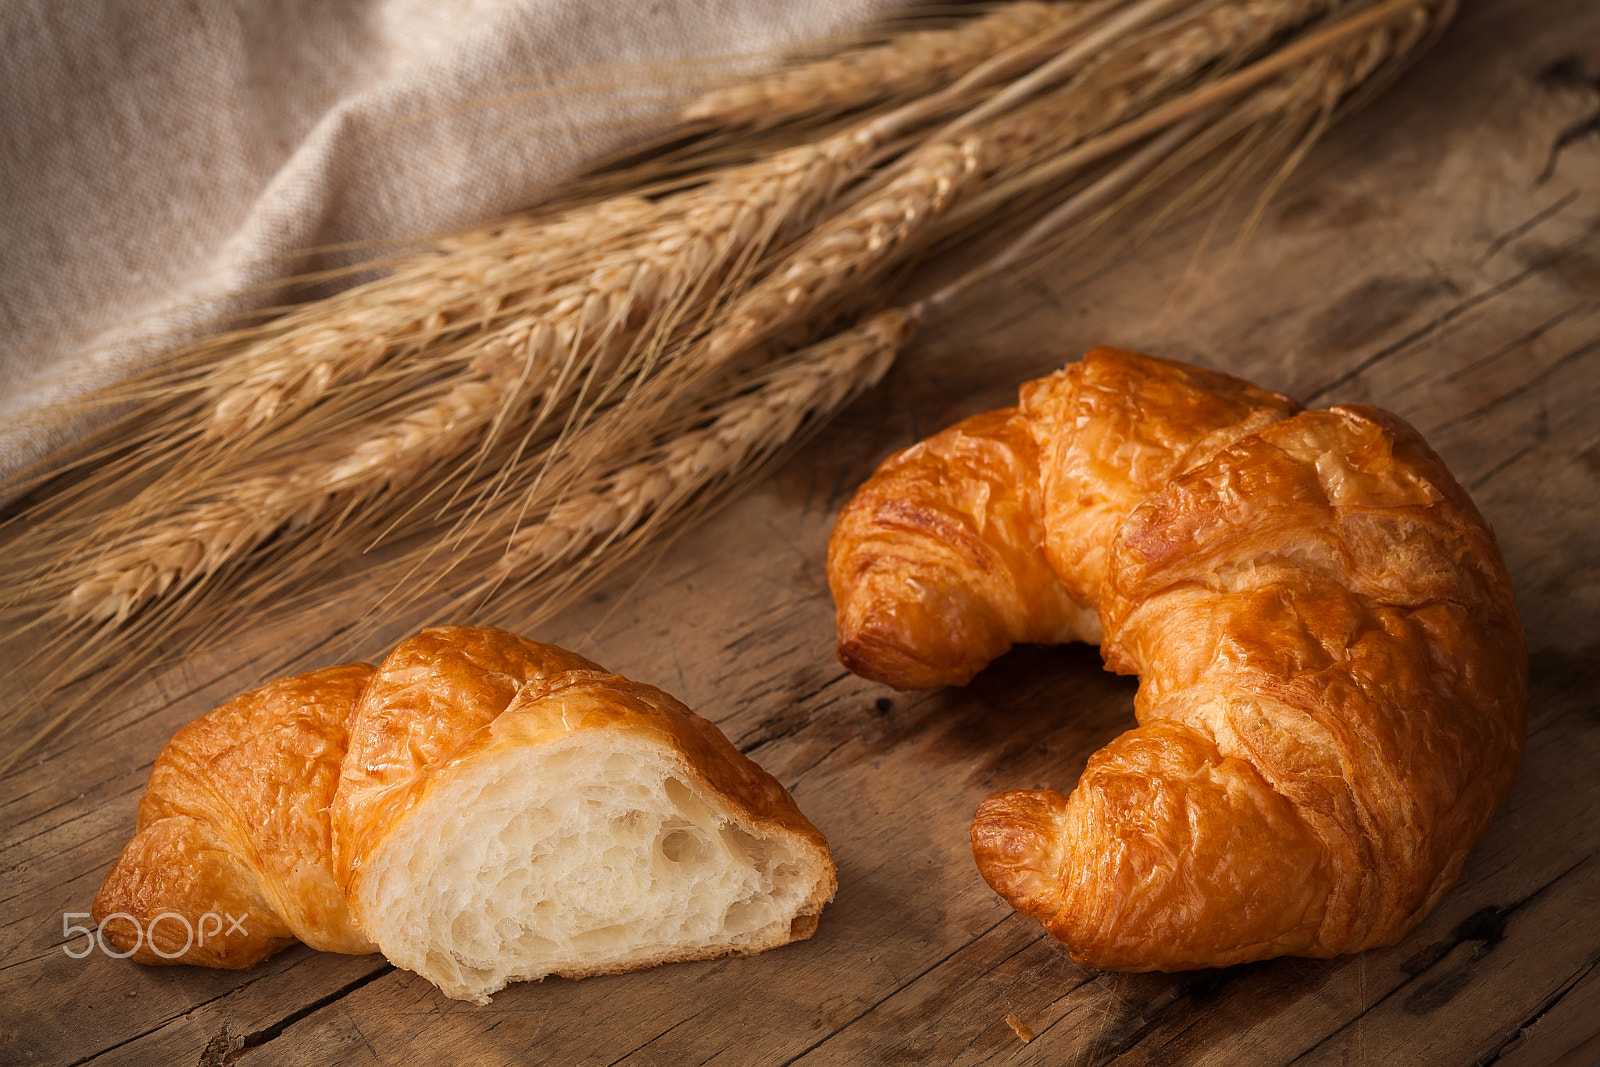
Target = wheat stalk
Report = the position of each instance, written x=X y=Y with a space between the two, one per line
x=199 y=539
x=633 y=320
x=588 y=324
x=477 y=276
x=909 y=64
x=866 y=238
x=491 y=274
x=860 y=243
x=585 y=328
x=808 y=386
x=504 y=281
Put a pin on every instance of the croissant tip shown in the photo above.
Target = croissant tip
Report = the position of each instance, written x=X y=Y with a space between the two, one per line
x=1017 y=840
x=879 y=658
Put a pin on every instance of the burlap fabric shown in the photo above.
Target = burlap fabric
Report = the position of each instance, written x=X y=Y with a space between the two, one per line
x=165 y=164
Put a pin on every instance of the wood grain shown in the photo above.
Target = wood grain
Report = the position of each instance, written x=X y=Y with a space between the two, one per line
x=1439 y=255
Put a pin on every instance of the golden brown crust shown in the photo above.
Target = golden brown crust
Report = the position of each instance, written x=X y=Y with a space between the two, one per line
x=1332 y=674
x=960 y=511
x=1323 y=602
x=1114 y=428
x=250 y=805
x=233 y=835
x=429 y=699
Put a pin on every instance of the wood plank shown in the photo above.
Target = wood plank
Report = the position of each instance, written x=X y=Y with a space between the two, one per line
x=1418 y=261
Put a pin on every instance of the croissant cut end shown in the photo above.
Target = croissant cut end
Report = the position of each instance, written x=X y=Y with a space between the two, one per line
x=593 y=855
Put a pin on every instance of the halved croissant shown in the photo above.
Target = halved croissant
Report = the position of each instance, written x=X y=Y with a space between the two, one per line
x=482 y=807
x=1332 y=672
x=509 y=810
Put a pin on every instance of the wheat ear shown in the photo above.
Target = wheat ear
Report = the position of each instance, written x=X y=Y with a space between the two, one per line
x=473 y=278
x=808 y=387
x=909 y=64
x=490 y=274
x=197 y=540
x=871 y=236
x=574 y=331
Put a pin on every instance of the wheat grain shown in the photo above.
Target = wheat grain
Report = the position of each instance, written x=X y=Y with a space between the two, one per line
x=699 y=237
x=196 y=540
x=811 y=385
x=485 y=274
x=476 y=276
x=507 y=282
x=1236 y=32
x=585 y=326
x=869 y=238
x=909 y=64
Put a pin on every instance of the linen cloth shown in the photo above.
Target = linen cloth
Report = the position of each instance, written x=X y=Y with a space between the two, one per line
x=165 y=164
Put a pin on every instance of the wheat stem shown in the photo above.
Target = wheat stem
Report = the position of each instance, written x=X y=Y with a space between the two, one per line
x=810 y=385
x=578 y=331
x=1200 y=99
x=1103 y=191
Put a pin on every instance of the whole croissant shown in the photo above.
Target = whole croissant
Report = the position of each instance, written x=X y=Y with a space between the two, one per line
x=481 y=807
x=1332 y=675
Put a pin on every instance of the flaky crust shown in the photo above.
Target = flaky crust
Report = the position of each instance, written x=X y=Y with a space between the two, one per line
x=453 y=694
x=233 y=834
x=976 y=547
x=1332 y=673
x=1113 y=428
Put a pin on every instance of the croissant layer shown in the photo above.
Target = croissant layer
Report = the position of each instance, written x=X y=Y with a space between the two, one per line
x=233 y=840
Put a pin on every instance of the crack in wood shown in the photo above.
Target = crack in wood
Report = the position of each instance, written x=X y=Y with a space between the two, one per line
x=168 y=1021
x=1522 y=387
x=908 y=982
x=1456 y=311
x=1527 y=226
x=1572 y=72
x=1463 y=934
x=139 y=786
x=779 y=727
x=1581 y=309
x=799 y=776
x=275 y=1030
x=656 y=1038
x=1153 y=1013
x=1520 y=1030
x=1499 y=468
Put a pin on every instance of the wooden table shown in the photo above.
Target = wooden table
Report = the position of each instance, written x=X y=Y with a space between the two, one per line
x=1437 y=255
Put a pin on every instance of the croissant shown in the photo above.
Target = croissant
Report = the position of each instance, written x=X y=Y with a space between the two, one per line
x=1332 y=674
x=233 y=838
x=487 y=809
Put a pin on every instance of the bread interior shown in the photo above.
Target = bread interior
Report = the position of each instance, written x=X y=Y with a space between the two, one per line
x=587 y=856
